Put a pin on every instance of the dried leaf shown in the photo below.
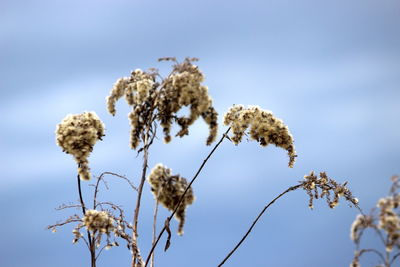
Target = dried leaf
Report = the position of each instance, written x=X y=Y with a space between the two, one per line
x=168 y=243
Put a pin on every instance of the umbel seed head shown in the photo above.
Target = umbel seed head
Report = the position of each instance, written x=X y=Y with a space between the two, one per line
x=76 y=135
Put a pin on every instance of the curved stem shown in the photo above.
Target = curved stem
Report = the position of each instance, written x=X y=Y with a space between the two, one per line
x=92 y=248
x=373 y=251
x=255 y=221
x=394 y=258
x=183 y=195
x=101 y=177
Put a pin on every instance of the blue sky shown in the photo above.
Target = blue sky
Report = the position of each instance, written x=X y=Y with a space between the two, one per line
x=329 y=69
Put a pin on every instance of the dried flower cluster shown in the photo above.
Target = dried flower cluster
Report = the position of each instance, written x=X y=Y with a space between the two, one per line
x=151 y=100
x=263 y=126
x=385 y=221
x=360 y=223
x=98 y=221
x=168 y=190
x=139 y=92
x=328 y=188
x=183 y=88
x=76 y=135
x=389 y=220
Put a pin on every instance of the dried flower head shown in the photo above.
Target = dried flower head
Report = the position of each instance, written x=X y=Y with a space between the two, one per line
x=389 y=216
x=76 y=135
x=385 y=221
x=263 y=127
x=360 y=223
x=98 y=221
x=151 y=100
x=325 y=187
x=183 y=88
x=168 y=190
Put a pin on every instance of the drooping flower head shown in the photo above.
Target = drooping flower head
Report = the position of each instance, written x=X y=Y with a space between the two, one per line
x=262 y=126
x=161 y=101
x=183 y=88
x=76 y=135
x=168 y=190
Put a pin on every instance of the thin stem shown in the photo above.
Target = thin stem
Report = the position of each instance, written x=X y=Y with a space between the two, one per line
x=255 y=221
x=394 y=258
x=373 y=251
x=135 y=247
x=183 y=195
x=154 y=230
x=92 y=248
x=387 y=259
x=101 y=177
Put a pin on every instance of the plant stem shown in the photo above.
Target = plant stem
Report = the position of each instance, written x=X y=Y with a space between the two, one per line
x=255 y=221
x=154 y=230
x=183 y=195
x=135 y=248
x=92 y=247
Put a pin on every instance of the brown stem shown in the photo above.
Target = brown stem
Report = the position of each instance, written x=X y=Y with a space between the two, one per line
x=92 y=247
x=183 y=195
x=387 y=259
x=101 y=177
x=394 y=258
x=372 y=251
x=154 y=229
x=135 y=247
x=255 y=221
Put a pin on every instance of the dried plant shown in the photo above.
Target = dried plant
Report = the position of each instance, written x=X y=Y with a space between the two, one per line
x=322 y=187
x=168 y=190
x=105 y=219
x=76 y=135
x=264 y=128
x=153 y=100
x=385 y=222
x=158 y=101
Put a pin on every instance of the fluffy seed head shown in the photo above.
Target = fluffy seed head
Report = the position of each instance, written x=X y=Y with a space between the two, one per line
x=162 y=101
x=262 y=126
x=98 y=221
x=168 y=189
x=76 y=135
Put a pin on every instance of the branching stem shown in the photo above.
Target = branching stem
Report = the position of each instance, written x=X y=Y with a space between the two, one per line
x=183 y=195
x=135 y=247
x=92 y=248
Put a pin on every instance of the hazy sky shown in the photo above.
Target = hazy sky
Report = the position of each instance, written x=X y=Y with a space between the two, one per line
x=329 y=69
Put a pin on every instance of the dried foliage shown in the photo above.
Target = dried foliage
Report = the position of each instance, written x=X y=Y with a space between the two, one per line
x=385 y=222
